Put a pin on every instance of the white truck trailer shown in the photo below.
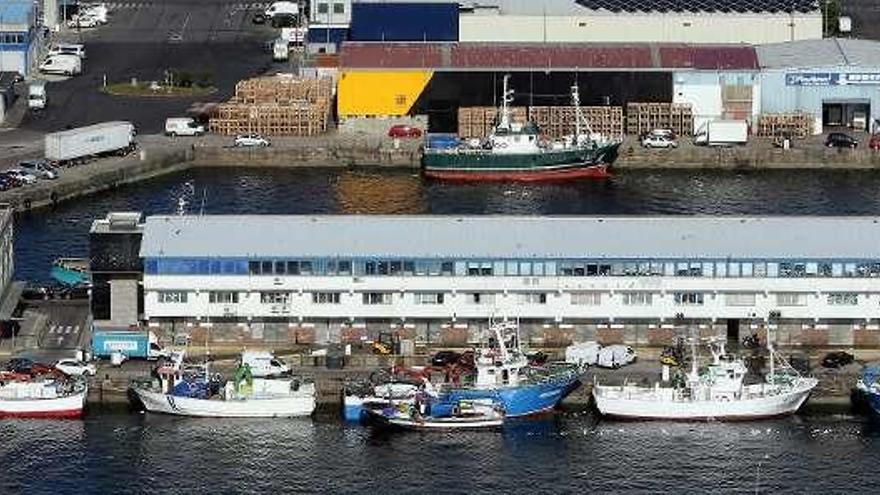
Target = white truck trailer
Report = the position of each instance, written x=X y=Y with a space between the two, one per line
x=74 y=145
x=722 y=133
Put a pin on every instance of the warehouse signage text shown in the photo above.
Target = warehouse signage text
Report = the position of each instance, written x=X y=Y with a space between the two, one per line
x=831 y=78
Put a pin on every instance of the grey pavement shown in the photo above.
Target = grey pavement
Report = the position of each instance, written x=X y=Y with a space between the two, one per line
x=206 y=38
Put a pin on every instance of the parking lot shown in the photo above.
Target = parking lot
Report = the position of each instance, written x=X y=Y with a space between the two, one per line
x=143 y=39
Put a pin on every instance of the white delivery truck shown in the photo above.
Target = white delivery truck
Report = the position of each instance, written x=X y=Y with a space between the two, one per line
x=722 y=133
x=90 y=141
x=183 y=126
x=264 y=364
x=37 y=95
x=65 y=65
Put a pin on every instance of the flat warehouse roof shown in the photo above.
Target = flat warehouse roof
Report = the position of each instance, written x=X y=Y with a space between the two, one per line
x=507 y=237
x=15 y=12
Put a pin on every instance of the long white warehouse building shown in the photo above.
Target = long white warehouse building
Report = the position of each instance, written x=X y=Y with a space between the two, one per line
x=439 y=278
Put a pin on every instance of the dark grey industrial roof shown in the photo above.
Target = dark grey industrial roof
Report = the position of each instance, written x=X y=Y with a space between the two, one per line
x=723 y=6
x=511 y=237
x=829 y=52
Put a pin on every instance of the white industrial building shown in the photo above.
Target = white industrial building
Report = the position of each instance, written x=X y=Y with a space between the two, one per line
x=20 y=41
x=584 y=274
x=672 y=21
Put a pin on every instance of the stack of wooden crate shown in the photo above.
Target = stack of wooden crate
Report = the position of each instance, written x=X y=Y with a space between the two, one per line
x=556 y=122
x=645 y=117
x=796 y=125
x=477 y=122
x=282 y=105
x=553 y=122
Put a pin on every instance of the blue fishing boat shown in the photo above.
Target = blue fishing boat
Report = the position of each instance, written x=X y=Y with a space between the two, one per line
x=71 y=272
x=504 y=375
x=869 y=387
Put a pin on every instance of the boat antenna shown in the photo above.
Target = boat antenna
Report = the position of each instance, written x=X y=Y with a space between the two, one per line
x=506 y=99
x=772 y=352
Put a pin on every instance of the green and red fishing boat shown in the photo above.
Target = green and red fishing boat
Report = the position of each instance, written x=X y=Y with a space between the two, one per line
x=515 y=152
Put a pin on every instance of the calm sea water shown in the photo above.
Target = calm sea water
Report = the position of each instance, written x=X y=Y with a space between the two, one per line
x=570 y=452
x=566 y=453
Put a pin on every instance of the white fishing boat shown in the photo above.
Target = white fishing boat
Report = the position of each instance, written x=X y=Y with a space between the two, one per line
x=416 y=416
x=177 y=393
x=718 y=393
x=42 y=397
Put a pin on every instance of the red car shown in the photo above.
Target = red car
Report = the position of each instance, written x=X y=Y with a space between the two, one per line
x=404 y=131
x=874 y=143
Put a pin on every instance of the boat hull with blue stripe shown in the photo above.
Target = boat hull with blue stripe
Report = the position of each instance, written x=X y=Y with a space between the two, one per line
x=520 y=400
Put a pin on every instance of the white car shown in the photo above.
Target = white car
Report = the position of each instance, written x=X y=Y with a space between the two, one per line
x=251 y=140
x=659 y=141
x=83 y=21
x=68 y=49
x=615 y=356
x=73 y=367
x=23 y=176
x=38 y=168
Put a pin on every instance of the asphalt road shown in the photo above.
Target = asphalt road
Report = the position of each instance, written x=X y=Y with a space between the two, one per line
x=66 y=321
x=142 y=40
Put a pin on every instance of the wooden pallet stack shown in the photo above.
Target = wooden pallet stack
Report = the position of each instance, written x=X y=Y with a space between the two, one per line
x=553 y=122
x=477 y=122
x=556 y=122
x=645 y=117
x=282 y=105
x=797 y=124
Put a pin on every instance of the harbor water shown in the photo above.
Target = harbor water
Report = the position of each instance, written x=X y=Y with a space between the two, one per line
x=569 y=452
x=565 y=453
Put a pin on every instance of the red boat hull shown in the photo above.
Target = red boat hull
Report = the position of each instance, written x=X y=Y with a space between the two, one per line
x=594 y=172
x=62 y=414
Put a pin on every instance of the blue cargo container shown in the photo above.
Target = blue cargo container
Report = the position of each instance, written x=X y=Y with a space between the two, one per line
x=324 y=34
x=404 y=22
x=132 y=344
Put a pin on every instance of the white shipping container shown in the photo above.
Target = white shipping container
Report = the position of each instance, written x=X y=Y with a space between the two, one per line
x=91 y=140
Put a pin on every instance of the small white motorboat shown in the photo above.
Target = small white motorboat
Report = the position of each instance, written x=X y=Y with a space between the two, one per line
x=412 y=416
x=44 y=397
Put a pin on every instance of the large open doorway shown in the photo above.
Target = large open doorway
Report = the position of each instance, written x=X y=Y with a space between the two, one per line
x=851 y=114
x=733 y=331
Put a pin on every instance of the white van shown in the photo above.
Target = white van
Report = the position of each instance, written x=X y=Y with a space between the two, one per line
x=183 y=126
x=68 y=49
x=65 y=65
x=37 y=95
x=282 y=8
x=264 y=364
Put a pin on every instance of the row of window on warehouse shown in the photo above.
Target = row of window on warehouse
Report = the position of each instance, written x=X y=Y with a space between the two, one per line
x=348 y=267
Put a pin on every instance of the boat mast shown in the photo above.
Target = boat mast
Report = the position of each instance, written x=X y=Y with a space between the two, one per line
x=506 y=98
x=576 y=103
x=772 y=352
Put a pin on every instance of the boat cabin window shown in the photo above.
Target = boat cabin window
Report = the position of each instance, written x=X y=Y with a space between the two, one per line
x=505 y=376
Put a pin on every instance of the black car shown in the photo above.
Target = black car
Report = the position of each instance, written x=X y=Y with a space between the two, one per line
x=445 y=358
x=259 y=18
x=837 y=359
x=840 y=140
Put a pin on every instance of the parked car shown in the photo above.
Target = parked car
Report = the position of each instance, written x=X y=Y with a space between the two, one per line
x=83 y=21
x=874 y=142
x=445 y=358
x=68 y=49
x=837 y=359
x=667 y=133
x=659 y=141
x=404 y=131
x=251 y=140
x=840 y=140
x=7 y=182
x=41 y=169
x=259 y=18
x=23 y=176
x=73 y=367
